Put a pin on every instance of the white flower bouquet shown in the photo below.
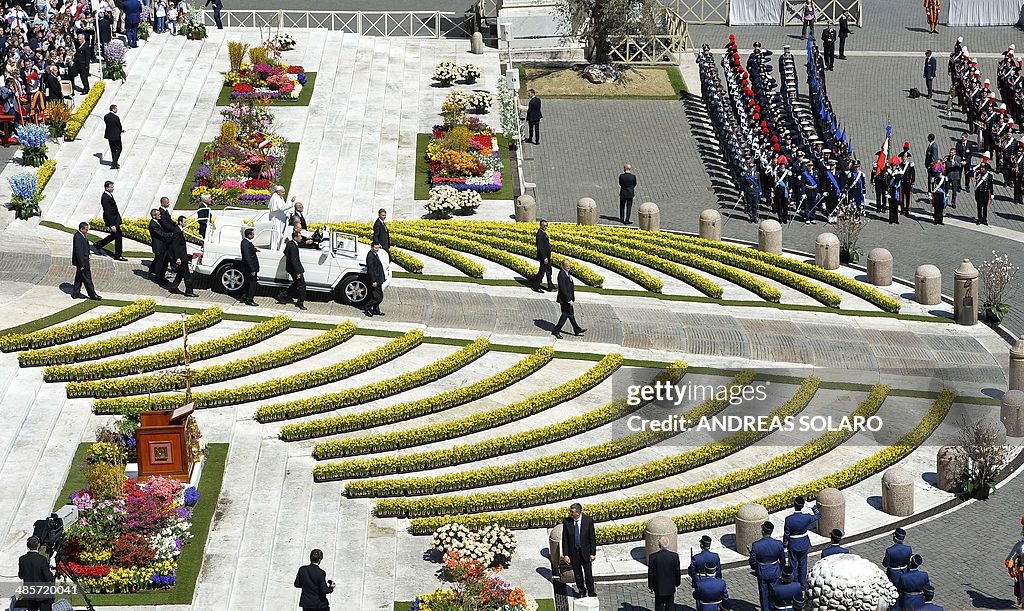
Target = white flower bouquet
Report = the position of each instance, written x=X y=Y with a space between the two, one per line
x=479 y=101
x=443 y=201
x=446 y=72
x=470 y=72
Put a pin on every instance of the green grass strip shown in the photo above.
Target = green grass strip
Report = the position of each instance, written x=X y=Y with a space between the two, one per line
x=67 y=313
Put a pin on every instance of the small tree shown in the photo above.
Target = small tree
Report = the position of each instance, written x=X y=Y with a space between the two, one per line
x=598 y=22
x=849 y=222
x=999 y=279
x=987 y=454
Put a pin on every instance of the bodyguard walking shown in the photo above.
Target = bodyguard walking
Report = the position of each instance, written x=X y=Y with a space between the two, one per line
x=930 y=66
x=80 y=252
x=293 y=265
x=663 y=576
x=375 y=276
x=533 y=117
x=112 y=132
x=627 y=188
x=579 y=549
x=543 y=257
x=159 y=240
x=112 y=219
x=178 y=253
x=250 y=267
x=218 y=6
x=381 y=234
x=566 y=299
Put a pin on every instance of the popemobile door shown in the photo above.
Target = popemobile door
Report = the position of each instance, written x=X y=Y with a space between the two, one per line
x=317 y=263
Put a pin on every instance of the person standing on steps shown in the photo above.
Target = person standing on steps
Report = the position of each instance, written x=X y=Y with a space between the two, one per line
x=579 y=548
x=250 y=267
x=178 y=253
x=132 y=19
x=112 y=219
x=381 y=234
x=844 y=32
x=566 y=299
x=375 y=277
x=627 y=189
x=293 y=265
x=543 y=257
x=218 y=6
x=313 y=582
x=533 y=117
x=80 y=252
x=82 y=57
x=112 y=133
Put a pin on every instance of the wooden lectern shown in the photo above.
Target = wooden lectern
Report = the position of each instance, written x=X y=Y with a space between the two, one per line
x=164 y=443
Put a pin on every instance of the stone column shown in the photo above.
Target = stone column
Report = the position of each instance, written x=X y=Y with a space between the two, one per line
x=965 y=294
x=769 y=236
x=832 y=504
x=749 y=519
x=826 y=251
x=949 y=467
x=1011 y=413
x=658 y=527
x=711 y=225
x=880 y=267
x=526 y=209
x=558 y=571
x=928 y=285
x=1017 y=365
x=650 y=216
x=476 y=46
x=586 y=212
x=898 y=492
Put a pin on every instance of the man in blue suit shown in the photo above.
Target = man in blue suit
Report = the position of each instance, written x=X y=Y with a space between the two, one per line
x=132 y=19
x=786 y=594
x=912 y=585
x=834 y=547
x=703 y=557
x=897 y=556
x=795 y=539
x=709 y=592
x=767 y=556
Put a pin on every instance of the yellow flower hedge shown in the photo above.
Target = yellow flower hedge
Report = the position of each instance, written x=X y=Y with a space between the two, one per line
x=119 y=345
x=605 y=482
x=142 y=363
x=377 y=390
x=512 y=262
x=398 y=256
x=78 y=330
x=414 y=409
x=503 y=474
x=270 y=388
x=844 y=478
x=441 y=253
x=667 y=499
x=138 y=231
x=489 y=448
x=471 y=424
x=44 y=174
x=84 y=109
x=216 y=373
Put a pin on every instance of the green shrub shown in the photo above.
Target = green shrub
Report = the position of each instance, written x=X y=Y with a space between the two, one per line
x=77 y=330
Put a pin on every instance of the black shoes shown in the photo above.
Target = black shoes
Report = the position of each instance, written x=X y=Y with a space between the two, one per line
x=537 y=289
x=557 y=334
x=301 y=307
x=115 y=167
x=100 y=297
x=251 y=303
x=581 y=331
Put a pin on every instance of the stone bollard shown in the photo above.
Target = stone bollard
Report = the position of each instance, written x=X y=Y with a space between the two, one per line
x=1017 y=365
x=1011 y=412
x=476 y=46
x=949 y=468
x=832 y=504
x=711 y=225
x=928 y=285
x=558 y=571
x=586 y=212
x=880 y=267
x=749 y=519
x=769 y=236
x=898 y=492
x=526 y=209
x=826 y=251
x=658 y=527
x=650 y=216
x=586 y=604
x=965 y=294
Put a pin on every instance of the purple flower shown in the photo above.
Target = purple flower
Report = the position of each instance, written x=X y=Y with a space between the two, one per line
x=162 y=581
x=130 y=442
x=301 y=78
x=178 y=543
x=203 y=171
x=191 y=496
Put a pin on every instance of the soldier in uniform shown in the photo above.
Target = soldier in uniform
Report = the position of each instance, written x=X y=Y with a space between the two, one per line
x=781 y=190
x=911 y=585
x=897 y=556
x=828 y=41
x=1015 y=566
x=751 y=194
x=808 y=193
x=855 y=185
x=939 y=197
x=928 y=605
x=795 y=539
x=982 y=189
x=786 y=594
x=767 y=556
x=705 y=556
x=908 y=178
x=880 y=180
x=787 y=65
x=709 y=592
x=1018 y=173
x=834 y=548
x=895 y=178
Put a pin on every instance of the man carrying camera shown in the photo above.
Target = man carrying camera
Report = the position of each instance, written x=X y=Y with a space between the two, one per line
x=313 y=582
x=34 y=571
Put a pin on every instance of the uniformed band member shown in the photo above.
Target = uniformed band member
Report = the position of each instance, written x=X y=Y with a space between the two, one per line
x=897 y=556
x=781 y=190
x=938 y=189
x=895 y=178
x=1017 y=172
x=832 y=548
x=767 y=556
x=911 y=585
x=702 y=558
x=795 y=539
x=1015 y=566
x=709 y=592
x=786 y=594
x=982 y=189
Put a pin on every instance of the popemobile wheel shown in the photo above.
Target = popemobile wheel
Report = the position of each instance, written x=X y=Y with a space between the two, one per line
x=230 y=279
x=354 y=290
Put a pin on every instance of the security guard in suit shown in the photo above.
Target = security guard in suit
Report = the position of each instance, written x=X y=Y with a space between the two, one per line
x=834 y=548
x=767 y=556
x=795 y=539
x=786 y=594
x=911 y=585
x=710 y=592
x=897 y=556
x=702 y=558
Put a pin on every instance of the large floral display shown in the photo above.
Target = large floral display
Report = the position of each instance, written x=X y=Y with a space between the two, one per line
x=464 y=155
x=270 y=80
x=474 y=587
x=129 y=533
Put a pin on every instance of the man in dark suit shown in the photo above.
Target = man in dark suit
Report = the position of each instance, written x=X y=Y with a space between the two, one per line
x=663 y=576
x=533 y=117
x=178 y=253
x=844 y=31
x=543 y=257
x=579 y=548
x=380 y=230
x=965 y=149
x=566 y=298
x=218 y=5
x=112 y=219
x=159 y=239
x=297 y=215
x=80 y=259
x=51 y=83
x=929 y=71
x=627 y=185
x=313 y=582
x=293 y=265
x=203 y=212
x=250 y=267
x=931 y=155
x=82 y=58
x=167 y=224
x=112 y=133
x=375 y=276
x=34 y=569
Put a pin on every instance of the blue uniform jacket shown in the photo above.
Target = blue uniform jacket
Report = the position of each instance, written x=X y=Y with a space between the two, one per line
x=766 y=558
x=834 y=549
x=911 y=586
x=794 y=534
x=710 y=594
x=896 y=559
x=698 y=561
x=929 y=607
x=783 y=596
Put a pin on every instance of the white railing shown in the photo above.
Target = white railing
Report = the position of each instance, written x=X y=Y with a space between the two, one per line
x=406 y=24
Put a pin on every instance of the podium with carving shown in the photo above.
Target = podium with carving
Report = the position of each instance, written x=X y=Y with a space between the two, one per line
x=164 y=443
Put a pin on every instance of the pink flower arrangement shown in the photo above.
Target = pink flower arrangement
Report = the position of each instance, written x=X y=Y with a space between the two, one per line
x=232 y=183
x=264 y=71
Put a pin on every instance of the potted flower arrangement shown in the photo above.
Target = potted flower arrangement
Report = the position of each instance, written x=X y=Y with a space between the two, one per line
x=470 y=73
x=443 y=202
x=266 y=80
x=25 y=195
x=32 y=138
x=192 y=27
x=144 y=30
x=283 y=42
x=446 y=73
x=999 y=281
x=849 y=221
x=491 y=545
x=469 y=201
x=113 y=61
x=56 y=115
x=465 y=157
x=479 y=101
x=474 y=587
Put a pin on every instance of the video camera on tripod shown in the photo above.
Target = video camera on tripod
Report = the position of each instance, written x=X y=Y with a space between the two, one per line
x=52 y=535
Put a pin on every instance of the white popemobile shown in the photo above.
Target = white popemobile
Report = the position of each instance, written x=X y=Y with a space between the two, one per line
x=339 y=265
